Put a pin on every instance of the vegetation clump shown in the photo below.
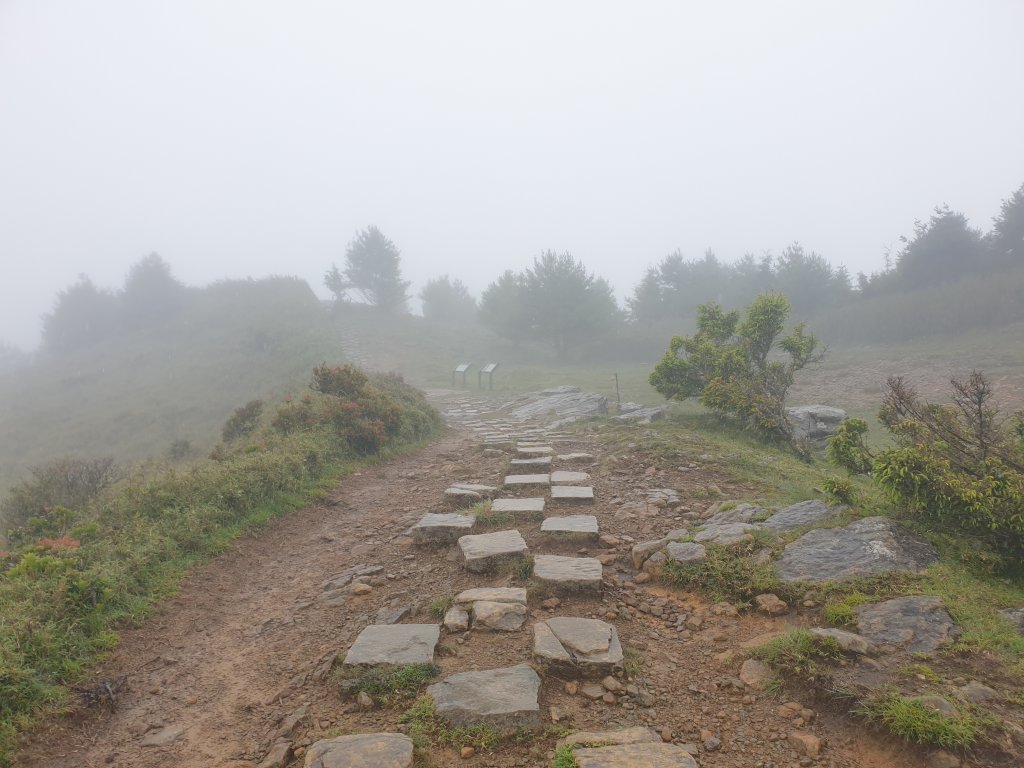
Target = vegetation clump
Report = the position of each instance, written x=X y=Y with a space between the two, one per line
x=957 y=467
x=801 y=654
x=913 y=719
x=728 y=364
x=427 y=729
x=78 y=571
x=388 y=687
x=243 y=421
x=727 y=573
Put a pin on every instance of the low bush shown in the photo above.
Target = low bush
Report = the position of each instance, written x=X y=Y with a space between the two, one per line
x=243 y=421
x=912 y=719
x=726 y=573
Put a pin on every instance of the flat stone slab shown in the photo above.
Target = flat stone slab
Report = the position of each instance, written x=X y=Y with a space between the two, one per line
x=1015 y=616
x=565 y=476
x=486 y=551
x=574 y=526
x=519 y=506
x=568 y=573
x=918 y=624
x=394 y=645
x=499 y=616
x=538 y=462
x=362 y=750
x=527 y=481
x=441 y=529
x=493 y=594
x=566 y=645
x=799 y=515
x=572 y=494
x=636 y=735
x=505 y=699
x=635 y=756
x=741 y=513
x=530 y=451
x=724 y=534
x=863 y=548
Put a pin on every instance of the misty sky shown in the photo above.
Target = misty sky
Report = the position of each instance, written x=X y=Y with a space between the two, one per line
x=253 y=137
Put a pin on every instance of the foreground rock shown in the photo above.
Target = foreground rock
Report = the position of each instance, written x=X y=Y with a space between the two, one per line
x=647 y=755
x=799 y=515
x=363 y=750
x=917 y=624
x=814 y=422
x=394 y=645
x=437 y=530
x=487 y=552
x=863 y=548
x=567 y=574
x=505 y=699
x=574 y=647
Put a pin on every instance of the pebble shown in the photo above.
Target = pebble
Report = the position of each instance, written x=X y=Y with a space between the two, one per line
x=467 y=752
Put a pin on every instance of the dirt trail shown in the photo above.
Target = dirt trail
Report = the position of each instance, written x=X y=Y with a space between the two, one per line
x=249 y=637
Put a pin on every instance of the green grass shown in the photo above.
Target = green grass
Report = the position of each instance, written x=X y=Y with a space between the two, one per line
x=427 y=729
x=800 y=654
x=61 y=608
x=565 y=757
x=840 y=610
x=726 y=574
x=633 y=663
x=909 y=718
x=439 y=606
x=389 y=687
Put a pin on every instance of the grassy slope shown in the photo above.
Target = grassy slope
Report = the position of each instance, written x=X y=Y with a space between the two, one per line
x=134 y=396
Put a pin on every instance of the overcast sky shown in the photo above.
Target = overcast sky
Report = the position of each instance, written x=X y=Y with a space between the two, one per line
x=252 y=137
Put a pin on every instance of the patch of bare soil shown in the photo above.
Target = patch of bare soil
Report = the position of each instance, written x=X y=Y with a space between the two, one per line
x=215 y=675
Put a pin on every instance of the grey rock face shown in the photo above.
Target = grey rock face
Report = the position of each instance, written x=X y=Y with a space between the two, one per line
x=487 y=551
x=640 y=415
x=456 y=619
x=570 y=646
x=917 y=624
x=394 y=644
x=741 y=513
x=363 y=750
x=567 y=404
x=814 y=422
x=634 y=756
x=686 y=551
x=724 y=534
x=848 y=641
x=568 y=574
x=505 y=699
x=798 y=515
x=863 y=548
x=436 y=530
x=1015 y=616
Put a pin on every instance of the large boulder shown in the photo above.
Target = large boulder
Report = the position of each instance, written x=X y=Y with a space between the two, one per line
x=866 y=547
x=814 y=422
x=799 y=515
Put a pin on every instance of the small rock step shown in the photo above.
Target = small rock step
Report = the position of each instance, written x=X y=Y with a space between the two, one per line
x=527 y=481
x=635 y=756
x=467 y=494
x=564 y=477
x=394 y=645
x=486 y=552
x=532 y=451
x=435 y=530
x=540 y=462
x=575 y=458
x=573 y=647
x=505 y=699
x=567 y=574
x=502 y=609
x=572 y=494
x=380 y=750
x=529 y=506
x=576 y=527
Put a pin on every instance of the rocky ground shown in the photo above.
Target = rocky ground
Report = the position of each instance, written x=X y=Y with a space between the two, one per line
x=246 y=665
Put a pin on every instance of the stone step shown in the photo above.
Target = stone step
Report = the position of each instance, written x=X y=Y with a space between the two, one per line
x=575 y=458
x=529 y=506
x=381 y=750
x=568 y=646
x=572 y=494
x=576 y=527
x=485 y=552
x=530 y=451
x=564 y=477
x=567 y=574
x=467 y=494
x=505 y=699
x=540 y=462
x=527 y=481
x=394 y=645
x=438 y=530
x=648 y=755
x=501 y=609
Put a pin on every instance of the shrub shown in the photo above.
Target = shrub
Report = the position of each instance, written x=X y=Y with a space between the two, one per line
x=846 y=448
x=340 y=381
x=912 y=719
x=726 y=573
x=70 y=484
x=839 y=489
x=243 y=421
x=728 y=364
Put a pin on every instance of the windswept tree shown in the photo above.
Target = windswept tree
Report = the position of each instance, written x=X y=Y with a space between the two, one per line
x=373 y=270
x=83 y=314
x=732 y=365
x=448 y=301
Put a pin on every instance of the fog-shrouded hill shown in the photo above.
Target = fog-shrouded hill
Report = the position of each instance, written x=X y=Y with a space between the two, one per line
x=134 y=377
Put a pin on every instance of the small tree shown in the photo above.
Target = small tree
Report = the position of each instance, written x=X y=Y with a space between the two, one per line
x=151 y=294
x=728 y=365
x=1007 y=236
x=372 y=267
x=448 y=301
x=959 y=466
x=82 y=315
x=503 y=307
x=243 y=421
